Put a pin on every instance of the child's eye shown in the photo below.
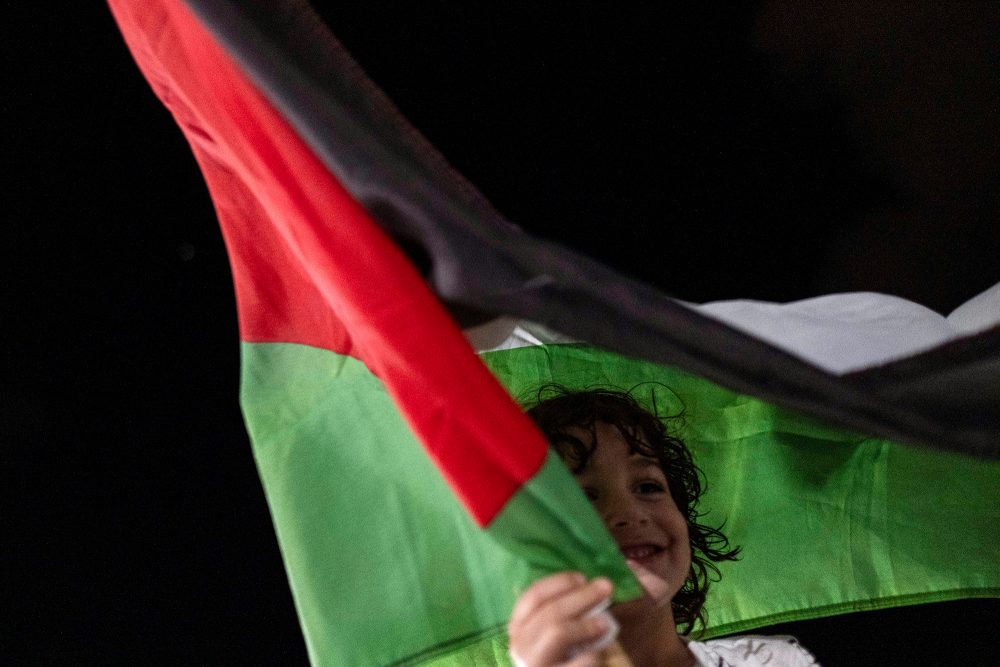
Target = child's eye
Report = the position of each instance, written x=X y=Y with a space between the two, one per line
x=649 y=487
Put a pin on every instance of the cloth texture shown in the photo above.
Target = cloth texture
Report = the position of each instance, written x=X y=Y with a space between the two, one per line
x=752 y=651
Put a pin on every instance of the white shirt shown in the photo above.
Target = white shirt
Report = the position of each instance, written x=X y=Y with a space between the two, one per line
x=751 y=651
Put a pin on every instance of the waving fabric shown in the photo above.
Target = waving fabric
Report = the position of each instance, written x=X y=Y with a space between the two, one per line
x=411 y=498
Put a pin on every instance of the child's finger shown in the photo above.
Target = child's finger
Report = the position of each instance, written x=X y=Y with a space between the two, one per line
x=577 y=602
x=544 y=590
x=558 y=641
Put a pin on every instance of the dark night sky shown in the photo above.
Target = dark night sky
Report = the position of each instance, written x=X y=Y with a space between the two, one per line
x=771 y=152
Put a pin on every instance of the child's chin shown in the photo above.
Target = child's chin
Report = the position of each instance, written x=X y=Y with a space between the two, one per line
x=640 y=608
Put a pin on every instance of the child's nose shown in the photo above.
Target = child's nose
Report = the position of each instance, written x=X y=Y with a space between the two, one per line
x=620 y=512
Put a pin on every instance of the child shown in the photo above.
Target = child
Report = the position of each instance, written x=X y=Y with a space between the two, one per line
x=645 y=486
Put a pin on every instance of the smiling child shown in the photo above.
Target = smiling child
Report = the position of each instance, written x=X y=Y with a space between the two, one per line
x=644 y=485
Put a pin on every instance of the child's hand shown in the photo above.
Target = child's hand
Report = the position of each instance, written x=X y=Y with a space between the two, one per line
x=551 y=623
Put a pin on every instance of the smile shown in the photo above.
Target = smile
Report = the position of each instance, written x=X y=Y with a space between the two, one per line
x=641 y=552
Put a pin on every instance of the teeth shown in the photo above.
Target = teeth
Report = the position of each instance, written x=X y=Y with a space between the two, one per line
x=639 y=553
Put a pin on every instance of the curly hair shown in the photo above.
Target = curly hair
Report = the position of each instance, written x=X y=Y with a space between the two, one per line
x=646 y=434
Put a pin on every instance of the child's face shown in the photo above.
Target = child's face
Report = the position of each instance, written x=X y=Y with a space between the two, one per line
x=631 y=495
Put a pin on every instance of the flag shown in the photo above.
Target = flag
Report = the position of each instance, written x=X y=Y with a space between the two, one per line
x=390 y=557
x=829 y=521
x=411 y=498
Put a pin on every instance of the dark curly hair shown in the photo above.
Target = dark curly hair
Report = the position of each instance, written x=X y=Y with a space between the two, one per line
x=556 y=410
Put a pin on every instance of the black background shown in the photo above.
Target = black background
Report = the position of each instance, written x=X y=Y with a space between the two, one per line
x=772 y=152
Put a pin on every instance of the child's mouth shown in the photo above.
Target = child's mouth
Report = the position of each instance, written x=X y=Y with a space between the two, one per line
x=641 y=552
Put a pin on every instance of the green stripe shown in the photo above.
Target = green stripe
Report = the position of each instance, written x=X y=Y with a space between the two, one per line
x=829 y=521
x=384 y=564
x=386 y=567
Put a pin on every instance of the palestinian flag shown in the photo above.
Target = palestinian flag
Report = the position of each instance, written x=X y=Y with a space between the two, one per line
x=411 y=498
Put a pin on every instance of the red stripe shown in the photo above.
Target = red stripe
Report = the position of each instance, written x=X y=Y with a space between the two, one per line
x=311 y=267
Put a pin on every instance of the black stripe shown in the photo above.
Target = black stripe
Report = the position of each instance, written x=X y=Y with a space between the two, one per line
x=481 y=265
